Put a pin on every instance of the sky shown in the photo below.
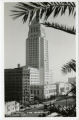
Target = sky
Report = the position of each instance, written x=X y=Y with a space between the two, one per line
x=61 y=45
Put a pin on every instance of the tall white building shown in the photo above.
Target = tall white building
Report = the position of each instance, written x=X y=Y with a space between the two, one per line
x=32 y=87
x=37 y=49
x=37 y=54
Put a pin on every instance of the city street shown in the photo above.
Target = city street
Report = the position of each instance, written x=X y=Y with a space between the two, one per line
x=38 y=109
x=34 y=111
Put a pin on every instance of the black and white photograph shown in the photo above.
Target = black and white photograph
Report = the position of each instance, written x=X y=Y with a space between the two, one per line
x=40 y=59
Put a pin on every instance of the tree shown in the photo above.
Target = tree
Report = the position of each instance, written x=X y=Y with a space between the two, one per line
x=44 y=9
x=68 y=67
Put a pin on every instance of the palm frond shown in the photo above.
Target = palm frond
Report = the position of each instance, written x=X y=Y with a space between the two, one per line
x=70 y=66
x=31 y=15
x=72 y=90
x=36 y=4
x=42 y=11
x=60 y=27
x=44 y=8
x=49 y=11
x=27 y=6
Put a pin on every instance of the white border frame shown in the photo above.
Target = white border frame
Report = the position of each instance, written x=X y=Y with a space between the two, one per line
x=2 y=117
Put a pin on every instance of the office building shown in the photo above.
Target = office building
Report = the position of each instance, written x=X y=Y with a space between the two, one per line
x=17 y=84
x=37 y=49
x=36 y=90
x=37 y=57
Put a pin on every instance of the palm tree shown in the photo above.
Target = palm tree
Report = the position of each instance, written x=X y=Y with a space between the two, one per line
x=68 y=67
x=44 y=9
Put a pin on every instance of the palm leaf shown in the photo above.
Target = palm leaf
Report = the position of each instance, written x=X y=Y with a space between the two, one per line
x=25 y=18
x=57 y=10
x=60 y=27
x=72 y=90
x=46 y=8
x=64 y=8
x=70 y=66
x=31 y=15
x=36 y=4
x=37 y=15
x=17 y=15
x=26 y=6
x=42 y=11
x=49 y=12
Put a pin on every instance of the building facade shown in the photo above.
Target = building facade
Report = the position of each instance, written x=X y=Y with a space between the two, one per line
x=36 y=90
x=37 y=57
x=11 y=107
x=17 y=84
x=63 y=88
x=37 y=49
x=13 y=84
x=49 y=90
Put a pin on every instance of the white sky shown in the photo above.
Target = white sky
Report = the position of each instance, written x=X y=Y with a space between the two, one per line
x=62 y=46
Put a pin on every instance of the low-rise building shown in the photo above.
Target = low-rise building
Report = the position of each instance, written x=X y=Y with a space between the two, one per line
x=63 y=88
x=36 y=92
x=49 y=90
x=11 y=107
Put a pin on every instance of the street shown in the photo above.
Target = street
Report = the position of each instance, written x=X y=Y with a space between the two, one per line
x=38 y=109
